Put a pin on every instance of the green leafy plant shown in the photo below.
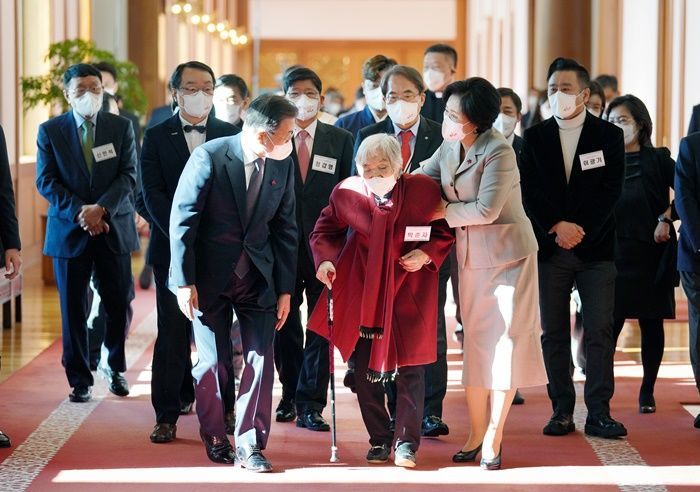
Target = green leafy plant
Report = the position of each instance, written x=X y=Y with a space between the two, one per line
x=48 y=88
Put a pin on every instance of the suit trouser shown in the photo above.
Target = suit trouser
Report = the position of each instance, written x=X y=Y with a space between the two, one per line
x=596 y=285
x=691 y=286
x=409 y=398
x=97 y=321
x=214 y=369
x=171 y=379
x=113 y=281
x=312 y=385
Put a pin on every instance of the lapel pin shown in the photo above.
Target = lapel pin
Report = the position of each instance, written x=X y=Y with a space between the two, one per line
x=273 y=182
x=469 y=161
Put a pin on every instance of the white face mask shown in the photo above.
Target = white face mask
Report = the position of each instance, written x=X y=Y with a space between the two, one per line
x=380 y=186
x=110 y=90
x=630 y=131
x=228 y=112
x=197 y=105
x=505 y=124
x=402 y=112
x=334 y=108
x=595 y=113
x=307 y=107
x=375 y=99
x=279 y=152
x=563 y=105
x=434 y=79
x=88 y=104
x=545 y=110
x=453 y=131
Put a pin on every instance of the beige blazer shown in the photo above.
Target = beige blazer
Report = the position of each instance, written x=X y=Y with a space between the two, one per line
x=484 y=201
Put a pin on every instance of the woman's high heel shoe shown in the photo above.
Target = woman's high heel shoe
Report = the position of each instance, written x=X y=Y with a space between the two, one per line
x=493 y=464
x=466 y=456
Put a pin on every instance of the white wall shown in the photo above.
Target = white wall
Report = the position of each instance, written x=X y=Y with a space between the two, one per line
x=109 y=26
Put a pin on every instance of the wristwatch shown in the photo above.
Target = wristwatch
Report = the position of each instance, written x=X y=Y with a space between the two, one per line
x=663 y=218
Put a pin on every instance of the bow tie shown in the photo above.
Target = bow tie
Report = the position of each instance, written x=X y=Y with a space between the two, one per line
x=189 y=128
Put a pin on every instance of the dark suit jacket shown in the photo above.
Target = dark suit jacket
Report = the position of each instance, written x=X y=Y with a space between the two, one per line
x=163 y=158
x=434 y=107
x=62 y=177
x=313 y=194
x=354 y=122
x=209 y=227
x=687 y=200
x=694 y=125
x=159 y=115
x=9 y=230
x=588 y=199
x=518 y=147
x=137 y=128
x=428 y=139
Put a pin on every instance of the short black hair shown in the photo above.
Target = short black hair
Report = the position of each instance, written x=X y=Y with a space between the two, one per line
x=479 y=101
x=268 y=110
x=80 y=70
x=639 y=112
x=409 y=73
x=570 y=65
x=104 y=66
x=373 y=67
x=234 y=82
x=597 y=90
x=508 y=92
x=445 y=49
x=176 y=77
x=298 y=74
x=607 y=80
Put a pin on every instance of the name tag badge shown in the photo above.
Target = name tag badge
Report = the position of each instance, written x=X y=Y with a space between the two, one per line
x=592 y=160
x=104 y=152
x=417 y=233
x=324 y=164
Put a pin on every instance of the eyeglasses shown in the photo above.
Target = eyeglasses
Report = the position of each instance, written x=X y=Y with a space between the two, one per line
x=391 y=98
x=309 y=94
x=190 y=91
x=453 y=116
x=80 y=91
x=621 y=120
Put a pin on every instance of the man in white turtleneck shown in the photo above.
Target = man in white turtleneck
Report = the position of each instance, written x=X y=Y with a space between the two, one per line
x=571 y=169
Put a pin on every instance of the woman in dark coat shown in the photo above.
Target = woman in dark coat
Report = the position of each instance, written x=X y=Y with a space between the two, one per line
x=645 y=249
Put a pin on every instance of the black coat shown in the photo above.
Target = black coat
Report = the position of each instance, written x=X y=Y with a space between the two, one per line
x=433 y=107
x=9 y=230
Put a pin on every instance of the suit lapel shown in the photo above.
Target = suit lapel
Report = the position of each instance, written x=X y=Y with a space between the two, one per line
x=474 y=153
x=270 y=178
x=421 y=146
x=236 y=175
x=555 y=160
x=177 y=138
x=581 y=147
x=70 y=133
x=320 y=147
x=214 y=129
x=103 y=136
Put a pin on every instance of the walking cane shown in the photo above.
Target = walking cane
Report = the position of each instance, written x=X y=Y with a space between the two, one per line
x=331 y=361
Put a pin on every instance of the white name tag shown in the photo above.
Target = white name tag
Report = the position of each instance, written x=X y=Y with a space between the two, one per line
x=417 y=233
x=324 y=164
x=592 y=160
x=104 y=152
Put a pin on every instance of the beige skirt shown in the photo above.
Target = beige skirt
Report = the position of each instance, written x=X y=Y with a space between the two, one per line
x=501 y=319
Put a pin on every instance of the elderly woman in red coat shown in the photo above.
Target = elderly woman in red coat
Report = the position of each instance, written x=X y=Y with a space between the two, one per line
x=384 y=280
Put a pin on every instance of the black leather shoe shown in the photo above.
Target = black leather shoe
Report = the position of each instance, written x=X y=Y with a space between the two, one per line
x=186 y=408
x=603 y=425
x=252 y=459
x=230 y=422
x=392 y=424
x=146 y=277
x=219 y=450
x=80 y=394
x=494 y=464
x=163 y=433
x=466 y=456
x=285 y=411
x=378 y=454
x=647 y=404
x=4 y=440
x=696 y=424
x=433 y=426
x=313 y=420
x=349 y=380
x=117 y=382
x=404 y=456
x=559 y=424
x=518 y=398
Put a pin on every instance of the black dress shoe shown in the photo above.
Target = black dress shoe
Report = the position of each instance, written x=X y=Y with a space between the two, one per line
x=647 y=404
x=230 y=422
x=4 y=440
x=378 y=454
x=146 y=277
x=219 y=450
x=404 y=456
x=349 y=380
x=252 y=459
x=163 y=433
x=313 y=420
x=433 y=426
x=560 y=424
x=80 y=394
x=285 y=411
x=186 y=408
x=493 y=464
x=466 y=456
x=117 y=382
x=518 y=398
x=696 y=424
x=392 y=424
x=602 y=425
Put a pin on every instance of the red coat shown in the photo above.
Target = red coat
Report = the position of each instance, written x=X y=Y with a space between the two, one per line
x=410 y=299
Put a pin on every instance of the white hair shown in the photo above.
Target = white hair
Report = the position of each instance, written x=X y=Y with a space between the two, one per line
x=380 y=147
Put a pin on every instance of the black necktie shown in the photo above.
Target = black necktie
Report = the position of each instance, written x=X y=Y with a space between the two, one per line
x=200 y=129
x=251 y=197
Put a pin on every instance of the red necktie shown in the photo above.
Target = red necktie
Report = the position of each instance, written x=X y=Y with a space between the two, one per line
x=406 y=145
x=303 y=154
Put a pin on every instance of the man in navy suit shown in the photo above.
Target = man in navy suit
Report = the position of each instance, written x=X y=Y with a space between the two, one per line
x=166 y=148
x=233 y=243
x=375 y=110
x=694 y=125
x=687 y=200
x=439 y=69
x=86 y=169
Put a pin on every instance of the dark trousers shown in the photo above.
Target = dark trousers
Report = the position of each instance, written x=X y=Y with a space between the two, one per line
x=691 y=286
x=596 y=285
x=98 y=326
x=214 y=370
x=113 y=281
x=312 y=384
x=171 y=378
x=653 y=341
x=409 y=397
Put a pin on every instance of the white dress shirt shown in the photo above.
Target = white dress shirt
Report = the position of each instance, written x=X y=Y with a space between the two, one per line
x=79 y=123
x=569 y=134
x=194 y=139
x=249 y=158
x=412 y=140
x=311 y=130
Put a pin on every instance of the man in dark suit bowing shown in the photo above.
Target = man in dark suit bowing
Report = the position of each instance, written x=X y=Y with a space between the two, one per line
x=233 y=243
x=86 y=169
x=571 y=169
x=166 y=148
x=323 y=157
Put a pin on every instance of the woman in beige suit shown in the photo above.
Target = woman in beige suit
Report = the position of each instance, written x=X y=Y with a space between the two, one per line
x=497 y=256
